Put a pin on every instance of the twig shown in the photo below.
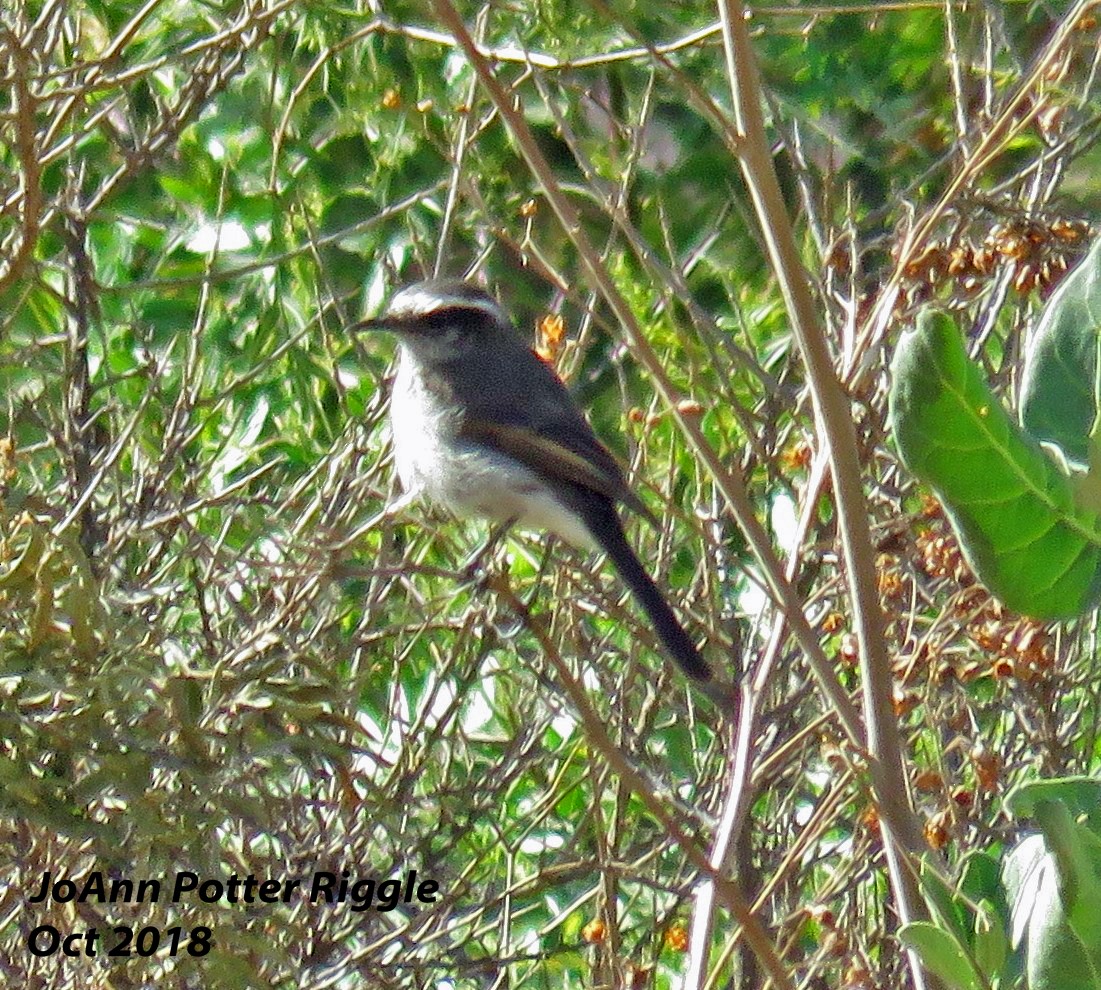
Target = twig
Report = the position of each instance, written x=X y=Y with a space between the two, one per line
x=26 y=148
x=901 y=831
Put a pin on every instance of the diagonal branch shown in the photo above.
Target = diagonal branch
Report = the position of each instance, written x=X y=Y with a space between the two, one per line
x=901 y=831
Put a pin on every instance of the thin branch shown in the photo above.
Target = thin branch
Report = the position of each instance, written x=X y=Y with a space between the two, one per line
x=26 y=148
x=901 y=831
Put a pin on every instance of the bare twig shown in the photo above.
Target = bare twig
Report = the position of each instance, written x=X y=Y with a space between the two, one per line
x=902 y=834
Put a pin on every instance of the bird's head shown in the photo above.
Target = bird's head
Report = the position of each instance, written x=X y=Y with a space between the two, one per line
x=441 y=319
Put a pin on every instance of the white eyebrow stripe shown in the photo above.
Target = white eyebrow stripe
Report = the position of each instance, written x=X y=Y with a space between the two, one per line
x=416 y=301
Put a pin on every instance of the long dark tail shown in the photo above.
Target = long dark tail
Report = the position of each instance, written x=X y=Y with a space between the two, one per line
x=603 y=522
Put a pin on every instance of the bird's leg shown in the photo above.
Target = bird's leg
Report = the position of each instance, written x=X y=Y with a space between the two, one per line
x=507 y=629
x=544 y=566
x=471 y=568
x=388 y=512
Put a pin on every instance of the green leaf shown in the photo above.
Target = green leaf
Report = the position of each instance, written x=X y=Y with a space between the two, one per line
x=1055 y=957
x=981 y=883
x=1012 y=508
x=991 y=943
x=1078 y=862
x=1075 y=848
x=1082 y=795
x=945 y=907
x=981 y=880
x=1058 y=387
x=941 y=954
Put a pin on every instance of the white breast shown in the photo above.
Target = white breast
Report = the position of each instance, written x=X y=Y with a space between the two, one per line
x=467 y=479
x=418 y=427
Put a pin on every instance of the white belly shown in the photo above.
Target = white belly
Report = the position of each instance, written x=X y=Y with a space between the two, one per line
x=468 y=479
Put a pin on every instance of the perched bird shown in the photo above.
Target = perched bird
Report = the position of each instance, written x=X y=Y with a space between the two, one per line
x=483 y=427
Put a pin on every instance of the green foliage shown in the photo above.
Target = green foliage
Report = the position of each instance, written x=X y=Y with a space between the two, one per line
x=1054 y=879
x=1026 y=520
x=1045 y=904
x=966 y=943
x=1059 y=390
x=219 y=653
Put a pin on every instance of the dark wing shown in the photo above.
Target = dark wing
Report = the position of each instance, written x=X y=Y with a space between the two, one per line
x=531 y=416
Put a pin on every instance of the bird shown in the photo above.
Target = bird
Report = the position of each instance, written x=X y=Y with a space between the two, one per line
x=483 y=427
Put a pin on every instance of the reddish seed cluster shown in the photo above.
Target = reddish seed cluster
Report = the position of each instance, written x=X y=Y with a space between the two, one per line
x=891 y=585
x=938 y=829
x=939 y=556
x=858 y=977
x=930 y=507
x=551 y=334
x=849 y=649
x=903 y=702
x=988 y=769
x=1021 y=648
x=594 y=932
x=676 y=938
x=822 y=926
x=963 y=797
x=822 y=916
x=1041 y=251
x=928 y=782
x=796 y=456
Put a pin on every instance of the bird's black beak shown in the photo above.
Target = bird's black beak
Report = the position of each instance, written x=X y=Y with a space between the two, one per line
x=389 y=324
x=377 y=323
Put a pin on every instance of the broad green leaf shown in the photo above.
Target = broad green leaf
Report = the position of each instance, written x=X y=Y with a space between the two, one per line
x=1082 y=795
x=991 y=943
x=1058 y=387
x=1011 y=506
x=945 y=906
x=980 y=880
x=1055 y=957
x=981 y=883
x=1056 y=805
x=941 y=954
x=973 y=917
